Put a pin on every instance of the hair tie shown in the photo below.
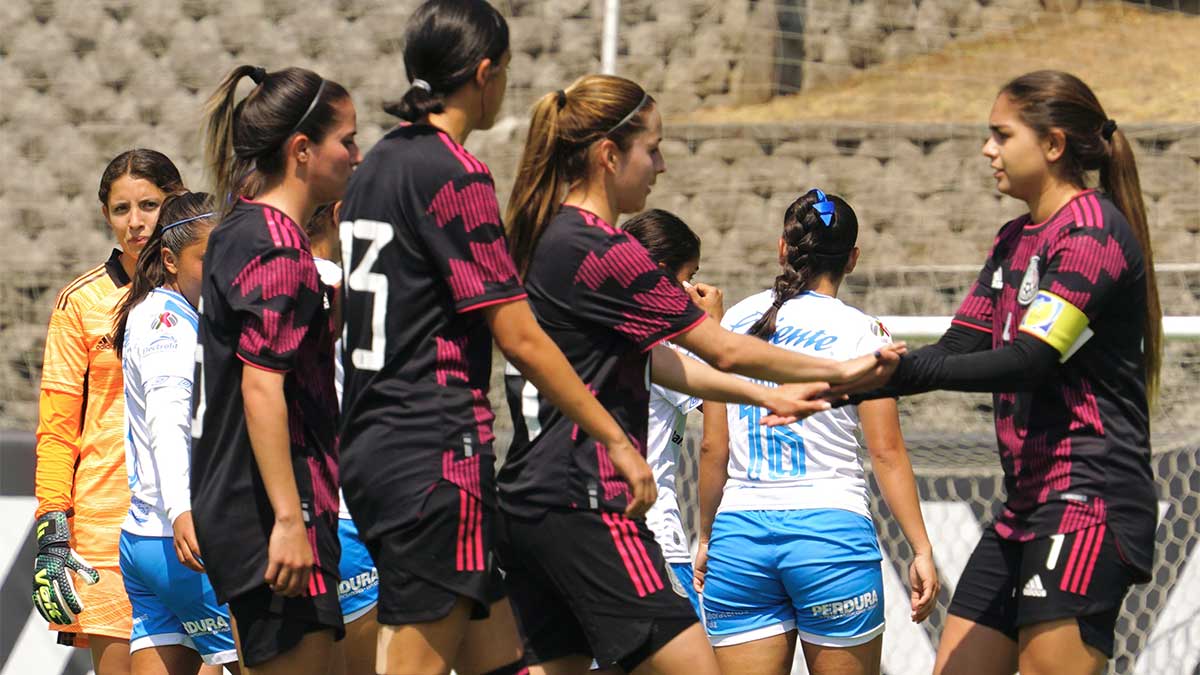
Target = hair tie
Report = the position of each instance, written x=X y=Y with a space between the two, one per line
x=177 y=223
x=418 y=83
x=312 y=105
x=625 y=119
x=561 y=98
x=1108 y=129
x=258 y=74
x=824 y=207
x=777 y=303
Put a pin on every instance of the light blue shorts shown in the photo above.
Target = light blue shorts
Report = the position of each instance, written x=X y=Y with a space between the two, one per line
x=358 y=590
x=816 y=571
x=172 y=605
x=683 y=574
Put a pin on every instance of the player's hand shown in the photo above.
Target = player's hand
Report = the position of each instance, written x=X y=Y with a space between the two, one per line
x=187 y=549
x=54 y=593
x=289 y=558
x=700 y=566
x=923 y=579
x=789 y=403
x=870 y=371
x=634 y=469
x=708 y=298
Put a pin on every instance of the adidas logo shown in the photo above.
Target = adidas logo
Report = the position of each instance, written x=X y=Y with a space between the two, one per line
x=1034 y=588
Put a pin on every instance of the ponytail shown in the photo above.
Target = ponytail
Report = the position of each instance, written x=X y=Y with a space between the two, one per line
x=418 y=102
x=819 y=235
x=227 y=170
x=1119 y=179
x=565 y=124
x=181 y=220
x=244 y=140
x=444 y=44
x=540 y=185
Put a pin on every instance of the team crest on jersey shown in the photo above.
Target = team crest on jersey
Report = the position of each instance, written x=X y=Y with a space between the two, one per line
x=164 y=320
x=998 y=279
x=1029 y=283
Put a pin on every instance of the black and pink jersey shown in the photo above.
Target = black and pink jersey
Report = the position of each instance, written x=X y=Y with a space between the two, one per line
x=423 y=247
x=605 y=303
x=262 y=306
x=1075 y=449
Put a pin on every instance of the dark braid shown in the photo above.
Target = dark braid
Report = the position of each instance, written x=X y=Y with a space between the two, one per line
x=814 y=244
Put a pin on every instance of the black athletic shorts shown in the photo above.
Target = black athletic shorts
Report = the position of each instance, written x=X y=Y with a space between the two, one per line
x=269 y=625
x=424 y=568
x=589 y=583
x=1008 y=585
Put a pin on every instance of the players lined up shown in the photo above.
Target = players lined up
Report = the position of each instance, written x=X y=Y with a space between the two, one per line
x=584 y=313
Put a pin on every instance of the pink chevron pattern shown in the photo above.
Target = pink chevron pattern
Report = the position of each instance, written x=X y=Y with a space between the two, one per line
x=491 y=263
x=273 y=332
x=475 y=203
x=451 y=359
x=1077 y=516
x=976 y=306
x=624 y=262
x=1085 y=412
x=614 y=486
x=483 y=416
x=1089 y=257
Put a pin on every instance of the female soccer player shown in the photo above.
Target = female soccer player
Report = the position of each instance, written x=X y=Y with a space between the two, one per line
x=429 y=285
x=358 y=590
x=673 y=246
x=178 y=623
x=786 y=533
x=81 y=485
x=1064 y=324
x=586 y=578
x=264 y=465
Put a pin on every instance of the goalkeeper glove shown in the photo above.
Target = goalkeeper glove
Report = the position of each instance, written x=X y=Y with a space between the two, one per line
x=53 y=590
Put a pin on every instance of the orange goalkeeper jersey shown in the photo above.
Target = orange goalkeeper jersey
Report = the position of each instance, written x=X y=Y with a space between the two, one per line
x=80 y=447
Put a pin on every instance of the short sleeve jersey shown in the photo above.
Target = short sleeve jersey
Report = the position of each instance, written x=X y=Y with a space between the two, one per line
x=1076 y=448
x=813 y=463
x=605 y=303
x=80 y=362
x=262 y=306
x=423 y=248
x=159 y=354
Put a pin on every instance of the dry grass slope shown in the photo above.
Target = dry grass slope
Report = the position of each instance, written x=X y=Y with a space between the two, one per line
x=1144 y=66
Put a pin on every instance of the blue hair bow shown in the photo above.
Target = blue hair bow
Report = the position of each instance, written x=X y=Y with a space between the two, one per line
x=824 y=207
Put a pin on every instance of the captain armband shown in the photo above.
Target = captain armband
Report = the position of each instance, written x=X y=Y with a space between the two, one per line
x=1058 y=323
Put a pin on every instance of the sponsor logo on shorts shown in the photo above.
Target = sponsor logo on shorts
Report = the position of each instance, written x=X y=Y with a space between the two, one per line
x=358 y=583
x=676 y=584
x=206 y=626
x=839 y=609
x=1034 y=588
x=711 y=618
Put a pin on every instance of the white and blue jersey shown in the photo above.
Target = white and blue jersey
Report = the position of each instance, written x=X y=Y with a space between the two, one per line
x=172 y=605
x=793 y=546
x=158 y=359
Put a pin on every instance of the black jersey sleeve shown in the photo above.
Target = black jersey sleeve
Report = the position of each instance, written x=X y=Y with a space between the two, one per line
x=463 y=230
x=278 y=297
x=618 y=286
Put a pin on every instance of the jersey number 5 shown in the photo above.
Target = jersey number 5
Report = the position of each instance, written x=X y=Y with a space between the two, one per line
x=362 y=280
x=768 y=445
